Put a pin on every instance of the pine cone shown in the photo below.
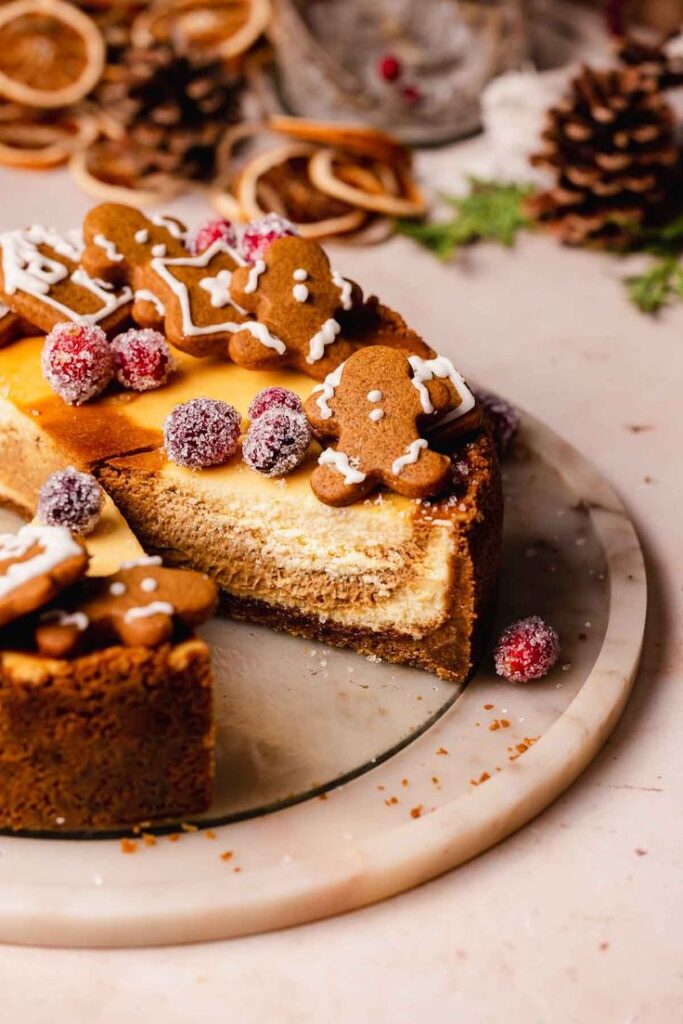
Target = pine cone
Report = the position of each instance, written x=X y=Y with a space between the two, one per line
x=651 y=60
x=166 y=113
x=610 y=145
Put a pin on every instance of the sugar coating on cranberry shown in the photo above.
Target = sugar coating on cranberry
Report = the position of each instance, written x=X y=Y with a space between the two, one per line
x=274 y=398
x=526 y=650
x=77 y=361
x=276 y=442
x=502 y=417
x=213 y=231
x=72 y=499
x=202 y=432
x=142 y=359
x=259 y=234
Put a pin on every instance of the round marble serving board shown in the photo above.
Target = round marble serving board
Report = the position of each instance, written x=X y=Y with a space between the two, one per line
x=380 y=777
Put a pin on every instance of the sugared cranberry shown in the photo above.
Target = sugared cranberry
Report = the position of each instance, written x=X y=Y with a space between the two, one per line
x=411 y=94
x=502 y=418
x=211 y=232
x=276 y=442
x=259 y=234
x=274 y=398
x=526 y=650
x=142 y=359
x=389 y=68
x=202 y=432
x=77 y=361
x=72 y=499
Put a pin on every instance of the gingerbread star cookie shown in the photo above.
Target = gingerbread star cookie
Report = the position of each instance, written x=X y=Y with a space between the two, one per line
x=188 y=297
x=41 y=281
x=138 y=606
x=299 y=303
x=35 y=565
x=376 y=406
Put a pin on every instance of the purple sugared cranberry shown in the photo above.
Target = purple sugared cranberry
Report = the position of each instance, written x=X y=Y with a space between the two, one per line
x=274 y=398
x=502 y=417
x=211 y=232
x=72 y=499
x=526 y=650
x=202 y=432
x=77 y=361
x=276 y=442
x=259 y=234
x=142 y=359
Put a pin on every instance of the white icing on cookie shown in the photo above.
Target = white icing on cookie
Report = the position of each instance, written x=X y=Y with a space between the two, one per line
x=441 y=366
x=171 y=226
x=79 y=620
x=376 y=415
x=149 y=585
x=117 y=588
x=57 y=546
x=143 y=560
x=159 y=250
x=300 y=292
x=328 y=386
x=325 y=336
x=218 y=288
x=300 y=274
x=340 y=461
x=112 y=252
x=141 y=236
x=146 y=610
x=253 y=276
x=344 y=287
x=375 y=395
x=412 y=454
x=145 y=295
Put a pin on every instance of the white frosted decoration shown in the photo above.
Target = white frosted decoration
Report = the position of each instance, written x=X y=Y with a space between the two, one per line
x=441 y=366
x=159 y=250
x=300 y=274
x=340 y=462
x=300 y=292
x=673 y=48
x=117 y=588
x=325 y=336
x=327 y=389
x=141 y=236
x=57 y=546
x=344 y=287
x=375 y=395
x=79 y=620
x=145 y=611
x=145 y=295
x=376 y=415
x=110 y=301
x=253 y=276
x=412 y=454
x=143 y=560
x=171 y=226
x=149 y=585
x=112 y=252
x=218 y=288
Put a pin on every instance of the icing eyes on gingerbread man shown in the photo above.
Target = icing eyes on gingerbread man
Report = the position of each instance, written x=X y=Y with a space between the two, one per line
x=373 y=406
x=300 y=303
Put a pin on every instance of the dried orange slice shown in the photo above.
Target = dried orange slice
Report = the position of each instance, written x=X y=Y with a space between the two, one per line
x=353 y=138
x=366 y=184
x=52 y=54
x=220 y=28
x=110 y=174
x=40 y=142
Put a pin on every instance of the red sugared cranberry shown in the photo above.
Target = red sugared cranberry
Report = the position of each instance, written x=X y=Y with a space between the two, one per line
x=201 y=432
x=77 y=361
x=526 y=650
x=276 y=442
x=142 y=359
x=389 y=68
x=72 y=499
x=211 y=232
x=259 y=234
x=274 y=398
x=502 y=418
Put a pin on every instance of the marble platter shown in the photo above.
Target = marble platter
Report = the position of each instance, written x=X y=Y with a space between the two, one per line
x=376 y=778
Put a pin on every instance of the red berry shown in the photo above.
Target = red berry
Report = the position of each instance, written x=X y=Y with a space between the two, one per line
x=72 y=499
x=274 y=398
x=201 y=432
x=276 y=442
x=77 y=361
x=502 y=418
x=259 y=234
x=211 y=232
x=389 y=68
x=411 y=93
x=526 y=650
x=142 y=359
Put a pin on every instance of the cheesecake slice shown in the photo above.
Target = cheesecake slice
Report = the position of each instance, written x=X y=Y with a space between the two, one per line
x=410 y=581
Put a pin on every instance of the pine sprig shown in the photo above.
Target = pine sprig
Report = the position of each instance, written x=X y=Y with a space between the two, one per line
x=490 y=212
x=662 y=281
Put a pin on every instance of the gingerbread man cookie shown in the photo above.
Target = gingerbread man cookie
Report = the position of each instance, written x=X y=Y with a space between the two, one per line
x=138 y=607
x=12 y=326
x=374 y=406
x=188 y=297
x=300 y=302
x=35 y=565
x=41 y=280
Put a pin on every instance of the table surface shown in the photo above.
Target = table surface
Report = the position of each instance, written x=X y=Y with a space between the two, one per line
x=575 y=918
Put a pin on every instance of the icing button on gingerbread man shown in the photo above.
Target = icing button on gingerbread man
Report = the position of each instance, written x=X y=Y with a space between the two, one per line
x=301 y=303
x=373 y=406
